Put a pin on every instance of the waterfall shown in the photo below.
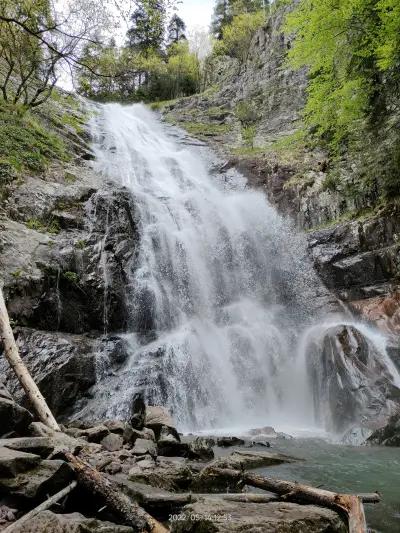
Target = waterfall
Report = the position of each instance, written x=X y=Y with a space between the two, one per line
x=221 y=288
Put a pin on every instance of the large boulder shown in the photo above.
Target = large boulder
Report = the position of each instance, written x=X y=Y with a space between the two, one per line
x=13 y=417
x=46 y=477
x=389 y=435
x=157 y=418
x=46 y=521
x=217 y=515
x=14 y=462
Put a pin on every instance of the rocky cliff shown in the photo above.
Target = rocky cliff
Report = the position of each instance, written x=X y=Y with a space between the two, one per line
x=67 y=242
x=354 y=243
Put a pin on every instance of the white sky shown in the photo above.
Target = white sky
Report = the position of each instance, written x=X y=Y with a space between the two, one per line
x=196 y=13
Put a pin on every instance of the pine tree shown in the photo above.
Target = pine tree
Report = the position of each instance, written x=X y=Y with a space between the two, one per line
x=148 y=24
x=176 y=29
x=222 y=16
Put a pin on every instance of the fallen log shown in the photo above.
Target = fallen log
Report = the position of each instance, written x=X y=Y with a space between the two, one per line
x=12 y=355
x=349 y=505
x=42 y=507
x=130 y=512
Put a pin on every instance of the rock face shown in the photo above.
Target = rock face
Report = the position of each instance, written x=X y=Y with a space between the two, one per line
x=67 y=244
x=351 y=383
x=388 y=435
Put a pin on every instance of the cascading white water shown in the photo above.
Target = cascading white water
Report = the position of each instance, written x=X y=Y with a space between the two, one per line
x=221 y=288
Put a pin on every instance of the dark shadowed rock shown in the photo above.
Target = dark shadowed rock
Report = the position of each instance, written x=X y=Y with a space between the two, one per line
x=46 y=521
x=201 y=449
x=45 y=478
x=13 y=417
x=226 y=442
x=137 y=411
x=131 y=435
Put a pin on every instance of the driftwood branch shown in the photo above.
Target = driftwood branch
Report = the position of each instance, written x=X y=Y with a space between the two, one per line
x=130 y=512
x=12 y=355
x=120 y=504
x=42 y=507
x=349 y=505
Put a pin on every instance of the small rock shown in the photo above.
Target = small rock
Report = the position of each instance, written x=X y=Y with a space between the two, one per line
x=115 y=426
x=113 y=468
x=143 y=447
x=138 y=411
x=112 y=442
x=95 y=434
x=131 y=435
x=226 y=442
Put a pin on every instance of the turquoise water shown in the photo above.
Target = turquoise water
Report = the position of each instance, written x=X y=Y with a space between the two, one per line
x=348 y=469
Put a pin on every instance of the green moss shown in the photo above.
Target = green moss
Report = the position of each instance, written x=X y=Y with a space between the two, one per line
x=359 y=215
x=81 y=244
x=51 y=227
x=160 y=106
x=17 y=273
x=70 y=178
x=25 y=143
x=72 y=277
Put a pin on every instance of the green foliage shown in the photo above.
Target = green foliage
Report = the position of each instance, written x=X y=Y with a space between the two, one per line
x=237 y=35
x=71 y=277
x=52 y=226
x=246 y=113
x=25 y=144
x=352 y=51
x=206 y=130
x=249 y=134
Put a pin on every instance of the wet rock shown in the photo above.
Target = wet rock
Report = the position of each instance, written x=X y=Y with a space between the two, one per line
x=63 y=366
x=131 y=435
x=46 y=521
x=226 y=442
x=264 y=432
x=356 y=436
x=388 y=435
x=158 y=417
x=112 y=442
x=143 y=447
x=217 y=515
x=351 y=381
x=138 y=412
x=13 y=462
x=45 y=478
x=249 y=459
x=169 y=445
x=201 y=449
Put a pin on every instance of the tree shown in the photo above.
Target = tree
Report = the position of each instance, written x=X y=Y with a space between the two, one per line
x=176 y=29
x=148 y=24
x=222 y=16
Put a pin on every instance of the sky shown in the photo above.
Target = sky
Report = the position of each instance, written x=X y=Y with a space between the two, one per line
x=196 y=13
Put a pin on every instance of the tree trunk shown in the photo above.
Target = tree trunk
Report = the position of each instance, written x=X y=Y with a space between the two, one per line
x=347 y=504
x=12 y=355
x=130 y=512
x=42 y=507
